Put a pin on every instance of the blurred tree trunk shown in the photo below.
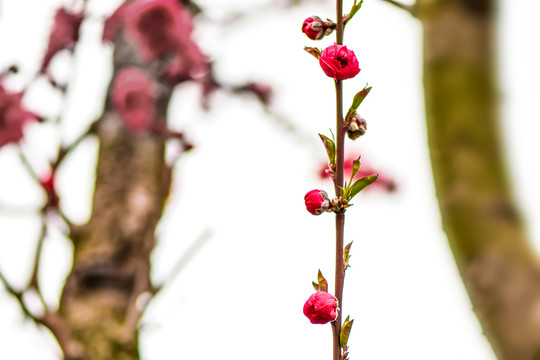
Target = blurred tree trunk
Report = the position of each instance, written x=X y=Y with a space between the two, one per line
x=101 y=301
x=485 y=230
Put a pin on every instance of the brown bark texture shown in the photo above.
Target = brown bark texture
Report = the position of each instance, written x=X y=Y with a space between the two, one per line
x=484 y=228
x=105 y=292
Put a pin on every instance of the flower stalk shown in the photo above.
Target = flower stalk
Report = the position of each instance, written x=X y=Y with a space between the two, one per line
x=340 y=63
x=340 y=216
x=338 y=182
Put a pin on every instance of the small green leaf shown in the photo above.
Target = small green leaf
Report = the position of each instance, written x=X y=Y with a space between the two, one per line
x=357 y=100
x=355 y=168
x=356 y=6
x=343 y=192
x=323 y=284
x=315 y=285
x=330 y=147
x=359 y=97
x=346 y=255
x=313 y=51
x=361 y=184
x=345 y=332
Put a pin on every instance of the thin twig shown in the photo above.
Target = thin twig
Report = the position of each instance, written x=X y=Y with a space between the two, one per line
x=186 y=257
x=34 y=277
x=28 y=166
x=18 y=295
x=65 y=151
x=411 y=9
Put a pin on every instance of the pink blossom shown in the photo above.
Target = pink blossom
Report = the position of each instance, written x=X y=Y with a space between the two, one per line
x=317 y=201
x=321 y=308
x=64 y=35
x=114 y=23
x=160 y=29
x=188 y=64
x=13 y=117
x=338 y=62
x=134 y=97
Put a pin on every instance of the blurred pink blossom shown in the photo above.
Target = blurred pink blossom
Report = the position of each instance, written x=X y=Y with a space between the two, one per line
x=13 y=116
x=134 y=97
x=384 y=181
x=64 y=35
x=160 y=29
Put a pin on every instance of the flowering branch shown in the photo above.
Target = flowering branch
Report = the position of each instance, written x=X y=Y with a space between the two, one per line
x=339 y=63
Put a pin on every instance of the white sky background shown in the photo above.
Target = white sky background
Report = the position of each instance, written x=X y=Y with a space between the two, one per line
x=241 y=296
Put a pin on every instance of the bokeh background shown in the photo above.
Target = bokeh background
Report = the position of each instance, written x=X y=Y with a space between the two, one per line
x=236 y=214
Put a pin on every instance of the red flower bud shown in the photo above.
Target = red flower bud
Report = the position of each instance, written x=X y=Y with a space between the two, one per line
x=314 y=28
x=321 y=308
x=134 y=97
x=338 y=62
x=317 y=201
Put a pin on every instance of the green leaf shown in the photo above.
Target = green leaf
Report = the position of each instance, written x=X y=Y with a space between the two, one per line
x=330 y=147
x=356 y=6
x=344 y=192
x=357 y=100
x=355 y=168
x=313 y=51
x=361 y=184
x=346 y=255
x=359 y=97
x=345 y=332
x=315 y=285
x=323 y=284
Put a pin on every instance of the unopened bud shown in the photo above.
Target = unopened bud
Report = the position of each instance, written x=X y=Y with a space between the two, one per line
x=317 y=201
x=315 y=28
x=357 y=127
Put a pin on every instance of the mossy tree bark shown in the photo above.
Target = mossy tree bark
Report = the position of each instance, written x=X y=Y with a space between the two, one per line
x=103 y=297
x=484 y=228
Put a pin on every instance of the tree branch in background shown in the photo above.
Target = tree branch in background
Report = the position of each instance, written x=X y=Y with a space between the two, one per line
x=484 y=227
x=34 y=277
x=18 y=295
x=191 y=251
x=411 y=9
